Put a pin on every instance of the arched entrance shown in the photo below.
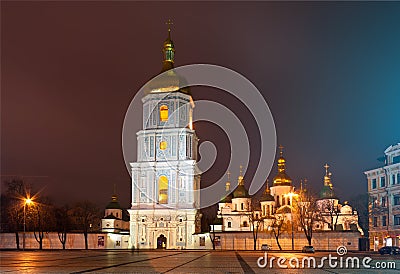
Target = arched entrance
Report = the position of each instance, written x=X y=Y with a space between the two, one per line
x=161 y=242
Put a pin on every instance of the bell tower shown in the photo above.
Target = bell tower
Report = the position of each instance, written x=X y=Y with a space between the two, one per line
x=165 y=178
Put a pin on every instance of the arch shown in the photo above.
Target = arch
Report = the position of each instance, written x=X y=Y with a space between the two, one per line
x=164 y=113
x=161 y=242
x=163 y=189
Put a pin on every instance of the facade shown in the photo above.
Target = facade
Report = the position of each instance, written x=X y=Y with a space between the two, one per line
x=114 y=226
x=278 y=201
x=237 y=210
x=384 y=207
x=164 y=212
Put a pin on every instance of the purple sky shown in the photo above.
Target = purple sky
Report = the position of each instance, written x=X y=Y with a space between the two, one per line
x=329 y=72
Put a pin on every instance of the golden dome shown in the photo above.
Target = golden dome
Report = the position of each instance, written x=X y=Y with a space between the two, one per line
x=282 y=179
x=169 y=81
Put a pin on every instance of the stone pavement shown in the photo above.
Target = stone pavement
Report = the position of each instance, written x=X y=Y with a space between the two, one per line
x=122 y=261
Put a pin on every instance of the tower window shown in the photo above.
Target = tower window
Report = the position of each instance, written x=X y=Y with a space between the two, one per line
x=242 y=206
x=229 y=224
x=163 y=190
x=163 y=145
x=163 y=113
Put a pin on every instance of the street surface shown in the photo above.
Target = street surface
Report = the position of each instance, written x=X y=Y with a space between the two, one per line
x=118 y=261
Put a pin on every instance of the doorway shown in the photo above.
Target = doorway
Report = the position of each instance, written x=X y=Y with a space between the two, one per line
x=161 y=242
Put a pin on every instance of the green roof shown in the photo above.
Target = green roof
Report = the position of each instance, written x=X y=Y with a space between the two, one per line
x=327 y=193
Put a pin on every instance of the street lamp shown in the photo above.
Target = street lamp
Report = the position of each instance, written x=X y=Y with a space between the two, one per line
x=291 y=195
x=27 y=201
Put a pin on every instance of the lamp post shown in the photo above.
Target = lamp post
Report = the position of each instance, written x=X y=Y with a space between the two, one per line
x=291 y=195
x=27 y=201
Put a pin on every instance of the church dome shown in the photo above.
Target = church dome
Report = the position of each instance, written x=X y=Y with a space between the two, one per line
x=267 y=197
x=282 y=179
x=327 y=193
x=169 y=81
x=114 y=204
x=241 y=191
x=327 y=189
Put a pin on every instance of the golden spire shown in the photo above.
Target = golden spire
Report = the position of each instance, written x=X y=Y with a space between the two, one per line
x=326 y=166
x=281 y=150
x=168 y=49
x=281 y=160
x=240 y=178
x=282 y=178
x=228 y=183
x=267 y=191
x=327 y=177
x=114 y=196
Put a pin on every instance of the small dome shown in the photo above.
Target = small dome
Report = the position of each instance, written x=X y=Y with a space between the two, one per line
x=114 y=203
x=241 y=192
x=227 y=198
x=267 y=197
x=327 y=192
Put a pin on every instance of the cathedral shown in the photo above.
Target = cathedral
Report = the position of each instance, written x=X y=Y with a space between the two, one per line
x=164 y=212
x=237 y=210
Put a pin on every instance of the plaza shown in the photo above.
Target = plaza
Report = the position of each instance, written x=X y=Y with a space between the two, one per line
x=168 y=261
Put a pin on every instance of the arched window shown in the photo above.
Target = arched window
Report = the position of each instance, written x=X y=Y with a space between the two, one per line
x=163 y=190
x=163 y=113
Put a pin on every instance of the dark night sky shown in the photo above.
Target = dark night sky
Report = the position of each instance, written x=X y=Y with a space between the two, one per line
x=329 y=72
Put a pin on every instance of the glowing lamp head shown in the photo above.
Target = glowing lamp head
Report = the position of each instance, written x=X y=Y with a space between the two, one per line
x=28 y=201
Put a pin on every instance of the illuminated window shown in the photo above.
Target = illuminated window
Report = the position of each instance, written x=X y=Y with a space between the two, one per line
x=163 y=113
x=163 y=145
x=163 y=190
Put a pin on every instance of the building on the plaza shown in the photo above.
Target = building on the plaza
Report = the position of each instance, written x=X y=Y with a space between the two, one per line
x=237 y=209
x=115 y=225
x=279 y=201
x=165 y=178
x=333 y=215
x=116 y=219
x=384 y=206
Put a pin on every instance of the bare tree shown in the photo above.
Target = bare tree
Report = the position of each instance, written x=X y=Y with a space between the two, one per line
x=329 y=213
x=12 y=204
x=278 y=226
x=86 y=215
x=256 y=220
x=308 y=213
x=63 y=223
x=43 y=219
